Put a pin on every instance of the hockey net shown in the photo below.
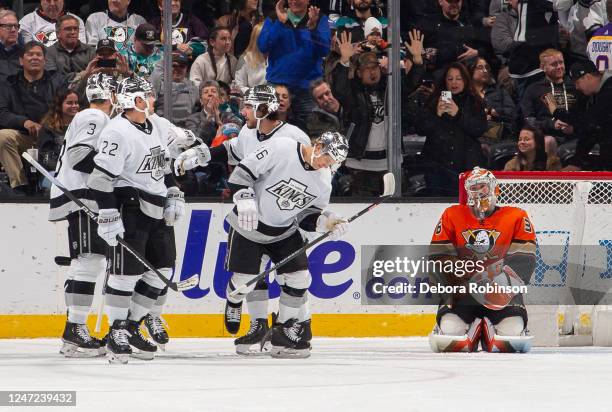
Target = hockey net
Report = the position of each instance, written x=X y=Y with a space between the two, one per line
x=569 y=210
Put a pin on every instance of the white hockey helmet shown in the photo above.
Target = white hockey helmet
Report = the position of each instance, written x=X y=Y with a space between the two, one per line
x=132 y=87
x=262 y=94
x=100 y=86
x=333 y=144
x=482 y=191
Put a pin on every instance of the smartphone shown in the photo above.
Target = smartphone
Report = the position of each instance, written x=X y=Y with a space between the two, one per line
x=446 y=96
x=428 y=83
x=107 y=63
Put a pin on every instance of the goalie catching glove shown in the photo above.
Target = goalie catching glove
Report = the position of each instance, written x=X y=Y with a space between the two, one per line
x=247 y=209
x=192 y=158
x=330 y=222
x=174 y=209
x=110 y=226
x=500 y=281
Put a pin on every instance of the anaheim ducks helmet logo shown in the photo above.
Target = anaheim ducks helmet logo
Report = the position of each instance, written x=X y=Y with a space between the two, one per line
x=480 y=241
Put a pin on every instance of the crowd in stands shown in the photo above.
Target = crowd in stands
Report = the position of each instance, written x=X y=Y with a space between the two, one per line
x=504 y=84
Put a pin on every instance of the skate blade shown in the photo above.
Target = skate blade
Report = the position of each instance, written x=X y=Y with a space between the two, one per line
x=162 y=346
x=117 y=358
x=70 y=350
x=138 y=354
x=280 y=352
x=253 y=350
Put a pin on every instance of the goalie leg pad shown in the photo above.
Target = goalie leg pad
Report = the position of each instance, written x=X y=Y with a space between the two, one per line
x=494 y=342
x=467 y=342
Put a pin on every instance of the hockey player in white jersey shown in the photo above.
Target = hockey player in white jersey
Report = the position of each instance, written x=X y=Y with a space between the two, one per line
x=279 y=187
x=262 y=125
x=177 y=140
x=136 y=197
x=87 y=250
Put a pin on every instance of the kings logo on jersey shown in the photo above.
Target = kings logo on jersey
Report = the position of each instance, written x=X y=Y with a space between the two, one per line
x=480 y=241
x=291 y=194
x=154 y=164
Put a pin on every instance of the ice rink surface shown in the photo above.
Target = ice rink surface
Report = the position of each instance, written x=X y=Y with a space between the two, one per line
x=382 y=374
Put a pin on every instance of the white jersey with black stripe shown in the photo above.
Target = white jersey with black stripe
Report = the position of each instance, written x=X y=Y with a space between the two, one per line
x=286 y=189
x=132 y=156
x=82 y=135
x=250 y=139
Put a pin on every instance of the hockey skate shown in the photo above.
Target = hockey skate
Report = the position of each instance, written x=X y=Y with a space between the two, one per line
x=142 y=348
x=250 y=344
x=118 y=347
x=233 y=315
x=78 y=343
x=156 y=330
x=288 y=340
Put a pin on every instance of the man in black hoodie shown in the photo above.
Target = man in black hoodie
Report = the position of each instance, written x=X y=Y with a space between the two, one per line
x=24 y=99
x=595 y=124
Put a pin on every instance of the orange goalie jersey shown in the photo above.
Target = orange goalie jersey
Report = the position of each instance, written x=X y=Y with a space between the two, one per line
x=507 y=232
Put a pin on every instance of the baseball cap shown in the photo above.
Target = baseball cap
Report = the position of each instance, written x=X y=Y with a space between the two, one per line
x=180 y=58
x=146 y=33
x=366 y=59
x=580 y=68
x=105 y=44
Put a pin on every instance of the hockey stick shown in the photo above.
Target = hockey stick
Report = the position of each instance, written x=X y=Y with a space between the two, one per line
x=101 y=305
x=389 y=190
x=176 y=286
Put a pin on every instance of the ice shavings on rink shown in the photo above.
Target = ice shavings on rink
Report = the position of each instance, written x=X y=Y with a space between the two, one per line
x=380 y=374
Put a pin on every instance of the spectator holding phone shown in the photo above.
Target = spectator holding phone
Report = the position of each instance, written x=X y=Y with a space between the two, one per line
x=107 y=60
x=453 y=122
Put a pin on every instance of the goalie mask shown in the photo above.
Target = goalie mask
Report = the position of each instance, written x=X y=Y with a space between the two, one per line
x=129 y=89
x=100 y=86
x=333 y=144
x=482 y=191
x=262 y=95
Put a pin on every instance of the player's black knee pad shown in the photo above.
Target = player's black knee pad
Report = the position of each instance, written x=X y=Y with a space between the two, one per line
x=298 y=293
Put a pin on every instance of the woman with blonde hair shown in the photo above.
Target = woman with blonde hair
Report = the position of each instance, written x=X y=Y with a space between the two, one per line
x=252 y=65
